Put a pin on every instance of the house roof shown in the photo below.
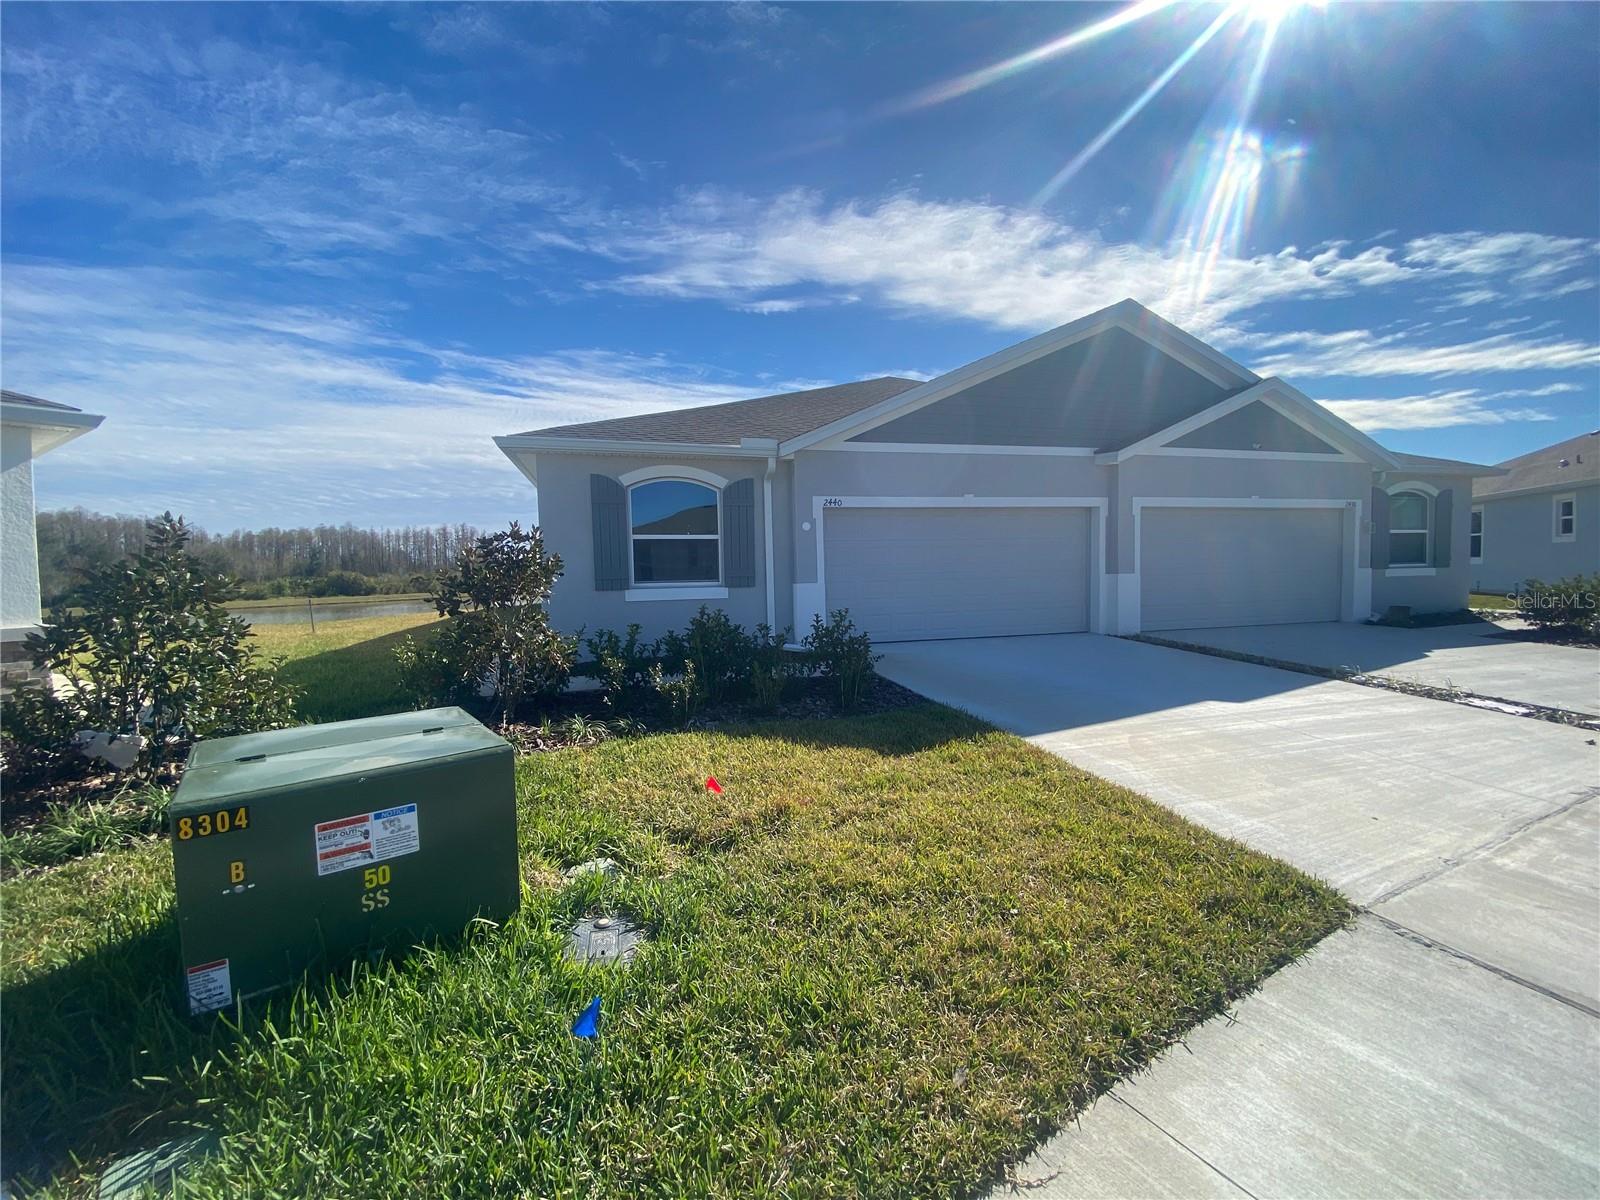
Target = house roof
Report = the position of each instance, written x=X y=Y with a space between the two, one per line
x=22 y=398
x=1572 y=463
x=785 y=415
x=1453 y=466
x=48 y=423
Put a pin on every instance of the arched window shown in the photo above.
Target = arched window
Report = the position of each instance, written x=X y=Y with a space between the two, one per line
x=1410 y=529
x=674 y=527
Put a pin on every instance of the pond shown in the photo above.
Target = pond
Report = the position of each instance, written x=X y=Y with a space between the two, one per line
x=299 y=612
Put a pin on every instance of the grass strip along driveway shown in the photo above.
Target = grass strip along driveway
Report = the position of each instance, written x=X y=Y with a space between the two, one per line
x=884 y=961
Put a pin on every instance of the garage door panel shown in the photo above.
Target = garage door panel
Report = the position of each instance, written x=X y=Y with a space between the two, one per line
x=1211 y=567
x=914 y=574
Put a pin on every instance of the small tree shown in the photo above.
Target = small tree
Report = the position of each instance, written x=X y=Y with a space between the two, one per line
x=152 y=652
x=841 y=655
x=501 y=635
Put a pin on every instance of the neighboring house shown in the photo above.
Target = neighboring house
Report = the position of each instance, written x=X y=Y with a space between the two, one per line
x=1539 y=520
x=28 y=428
x=1114 y=475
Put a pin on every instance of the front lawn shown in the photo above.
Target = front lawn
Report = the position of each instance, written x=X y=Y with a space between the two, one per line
x=893 y=953
x=346 y=669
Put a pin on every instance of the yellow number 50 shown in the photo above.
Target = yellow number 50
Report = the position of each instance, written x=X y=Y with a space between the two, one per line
x=374 y=877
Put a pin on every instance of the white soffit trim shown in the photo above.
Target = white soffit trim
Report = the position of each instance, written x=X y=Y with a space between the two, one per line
x=568 y=445
x=48 y=427
x=1127 y=315
x=1282 y=398
x=950 y=448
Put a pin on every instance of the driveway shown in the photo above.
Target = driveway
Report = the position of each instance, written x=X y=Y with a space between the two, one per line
x=1469 y=657
x=1450 y=1043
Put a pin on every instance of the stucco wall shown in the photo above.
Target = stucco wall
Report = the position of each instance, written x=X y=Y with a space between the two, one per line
x=564 y=516
x=19 y=552
x=564 y=509
x=1517 y=541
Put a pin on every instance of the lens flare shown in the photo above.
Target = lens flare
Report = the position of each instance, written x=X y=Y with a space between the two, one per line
x=972 y=81
x=1103 y=138
x=1221 y=187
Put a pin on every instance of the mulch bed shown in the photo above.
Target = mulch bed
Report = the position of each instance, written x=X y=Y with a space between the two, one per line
x=814 y=701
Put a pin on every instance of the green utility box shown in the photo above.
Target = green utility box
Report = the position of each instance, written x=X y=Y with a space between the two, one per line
x=301 y=847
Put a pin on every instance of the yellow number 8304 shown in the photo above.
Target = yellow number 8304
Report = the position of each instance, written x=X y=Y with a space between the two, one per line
x=206 y=824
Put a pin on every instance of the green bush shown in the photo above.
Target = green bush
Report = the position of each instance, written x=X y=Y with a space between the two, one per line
x=677 y=696
x=719 y=650
x=1570 y=605
x=499 y=645
x=152 y=652
x=622 y=668
x=772 y=668
x=839 y=654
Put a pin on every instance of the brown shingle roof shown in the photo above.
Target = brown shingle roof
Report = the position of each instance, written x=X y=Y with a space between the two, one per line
x=782 y=416
x=1575 y=461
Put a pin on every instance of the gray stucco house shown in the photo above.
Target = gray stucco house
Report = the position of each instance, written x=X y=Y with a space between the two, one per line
x=1113 y=475
x=1538 y=520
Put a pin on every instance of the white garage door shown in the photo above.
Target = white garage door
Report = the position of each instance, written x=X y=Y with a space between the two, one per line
x=1207 y=567
x=909 y=574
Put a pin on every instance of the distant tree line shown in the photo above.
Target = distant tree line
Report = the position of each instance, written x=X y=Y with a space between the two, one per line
x=328 y=560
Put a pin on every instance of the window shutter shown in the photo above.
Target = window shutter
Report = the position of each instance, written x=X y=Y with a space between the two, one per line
x=608 y=505
x=1441 y=527
x=1380 y=529
x=739 y=533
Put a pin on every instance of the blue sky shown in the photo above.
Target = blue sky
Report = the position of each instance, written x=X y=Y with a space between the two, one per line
x=308 y=260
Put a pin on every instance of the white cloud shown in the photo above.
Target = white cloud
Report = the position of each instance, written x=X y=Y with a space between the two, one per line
x=1021 y=269
x=244 y=415
x=1360 y=352
x=1436 y=410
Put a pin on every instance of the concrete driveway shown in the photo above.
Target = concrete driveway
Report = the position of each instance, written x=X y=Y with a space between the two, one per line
x=1450 y=1043
x=1469 y=657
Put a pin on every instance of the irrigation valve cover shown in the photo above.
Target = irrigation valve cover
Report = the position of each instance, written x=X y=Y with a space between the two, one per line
x=297 y=849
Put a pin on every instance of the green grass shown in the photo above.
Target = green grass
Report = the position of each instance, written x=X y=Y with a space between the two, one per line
x=885 y=961
x=326 y=601
x=1490 y=600
x=345 y=669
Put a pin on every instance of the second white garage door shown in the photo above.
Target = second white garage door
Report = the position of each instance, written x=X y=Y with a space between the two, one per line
x=1208 y=567
x=912 y=574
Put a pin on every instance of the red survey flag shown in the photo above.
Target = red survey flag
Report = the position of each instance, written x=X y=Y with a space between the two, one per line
x=712 y=785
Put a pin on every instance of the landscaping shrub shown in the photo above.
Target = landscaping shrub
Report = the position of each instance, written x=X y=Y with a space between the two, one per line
x=499 y=644
x=719 y=650
x=772 y=668
x=152 y=652
x=1570 y=605
x=840 y=654
x=622 y=668
x=677 y=696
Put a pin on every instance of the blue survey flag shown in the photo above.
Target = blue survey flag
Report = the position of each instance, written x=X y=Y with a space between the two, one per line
x=588 y=1023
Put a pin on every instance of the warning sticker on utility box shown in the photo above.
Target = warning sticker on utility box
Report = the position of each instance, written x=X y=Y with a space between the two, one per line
x=366 y=838
x=209 y=987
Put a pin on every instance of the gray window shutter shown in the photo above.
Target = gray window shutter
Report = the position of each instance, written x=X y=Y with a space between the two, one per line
x=1442 y=504
x=608 y=505
x=1380 y=529
x=739 y=533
